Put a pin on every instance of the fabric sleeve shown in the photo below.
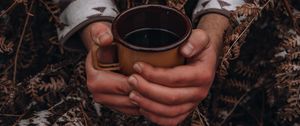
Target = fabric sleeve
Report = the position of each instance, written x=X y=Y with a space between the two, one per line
x=223 y=7
x=76 y=14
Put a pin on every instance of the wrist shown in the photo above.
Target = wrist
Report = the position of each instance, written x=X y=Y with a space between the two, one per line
x=215 y=25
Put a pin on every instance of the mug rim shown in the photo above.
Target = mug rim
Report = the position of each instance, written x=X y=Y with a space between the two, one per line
x=158 y=49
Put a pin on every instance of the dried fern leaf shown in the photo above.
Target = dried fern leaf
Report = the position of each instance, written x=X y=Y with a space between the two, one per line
x=73 y=117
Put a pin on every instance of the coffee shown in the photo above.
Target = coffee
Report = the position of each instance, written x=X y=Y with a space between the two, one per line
x=151 y=37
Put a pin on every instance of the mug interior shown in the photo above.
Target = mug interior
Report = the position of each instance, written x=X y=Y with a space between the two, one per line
x=152 y=17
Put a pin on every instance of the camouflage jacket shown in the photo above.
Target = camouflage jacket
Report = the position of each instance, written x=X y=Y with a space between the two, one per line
x=78 y=13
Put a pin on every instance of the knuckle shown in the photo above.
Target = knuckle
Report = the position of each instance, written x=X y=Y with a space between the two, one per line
x=202 y=95
x=173 y=99
x=202 y=35
x=148 y=72
x=186 y=78
x=122 y=89
x=200 y=32
x=207 y=78
x=178 y=79
x=171 y=79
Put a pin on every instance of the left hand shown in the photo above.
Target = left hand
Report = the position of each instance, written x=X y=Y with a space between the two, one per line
x=167 y=96
x=108 y=88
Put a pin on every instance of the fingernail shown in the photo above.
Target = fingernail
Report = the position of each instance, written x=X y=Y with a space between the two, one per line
x=188 y=49
x=105 y=36
x=132 y=81
x=101 y=37
x=133 y=95
x=137 y=67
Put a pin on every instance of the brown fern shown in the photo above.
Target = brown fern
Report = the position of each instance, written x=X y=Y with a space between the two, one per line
x=246 y=71
x=248 y=9
x=236 y=38
x=287 y=77
x=5 y=46
x=7 y=92
x=242 y=86
x=291 y=111
x=32 y=86
x=229 y=100
x=55 y=84
x=73 y=116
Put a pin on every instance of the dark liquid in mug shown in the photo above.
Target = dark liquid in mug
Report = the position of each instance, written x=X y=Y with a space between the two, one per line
x=151 y=38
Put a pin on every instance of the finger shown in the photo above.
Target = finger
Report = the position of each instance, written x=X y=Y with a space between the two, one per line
x=127 y=110
x=114 y=100
x=104 y=81
x=158 y=108
x=181 y=76
x=174 y=121
x=166 y=95
x=90 y=70
x=197 y=42
x=109 y=83
x=100 y=33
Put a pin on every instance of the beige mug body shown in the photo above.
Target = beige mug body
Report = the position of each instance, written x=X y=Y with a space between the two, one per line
x=128 y=57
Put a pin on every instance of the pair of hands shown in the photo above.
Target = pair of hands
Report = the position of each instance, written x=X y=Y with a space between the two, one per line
x=165 y=96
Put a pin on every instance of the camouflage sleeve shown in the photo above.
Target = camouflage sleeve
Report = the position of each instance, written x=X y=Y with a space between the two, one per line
x=78 y=13
x=222 y=7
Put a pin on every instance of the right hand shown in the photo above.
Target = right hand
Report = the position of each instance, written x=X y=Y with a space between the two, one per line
x=108 y=88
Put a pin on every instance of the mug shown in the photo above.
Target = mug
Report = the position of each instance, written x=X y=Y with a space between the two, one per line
x=148 y=33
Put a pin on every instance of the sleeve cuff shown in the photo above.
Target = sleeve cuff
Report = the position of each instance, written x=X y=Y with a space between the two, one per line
x=80 y=13
x=223 y=7
x=198 y=15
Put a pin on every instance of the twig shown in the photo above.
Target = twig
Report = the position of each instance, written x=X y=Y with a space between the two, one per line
x=10 y=115
x=20 y=42
x=57 y=104
x=259 y=84
x=9 y=8
x=292 y=16
x=6 y=69
x=288 y=8
x=233 y=109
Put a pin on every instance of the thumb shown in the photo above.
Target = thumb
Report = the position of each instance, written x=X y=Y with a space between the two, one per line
x=197 y=42
x=100 y=33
